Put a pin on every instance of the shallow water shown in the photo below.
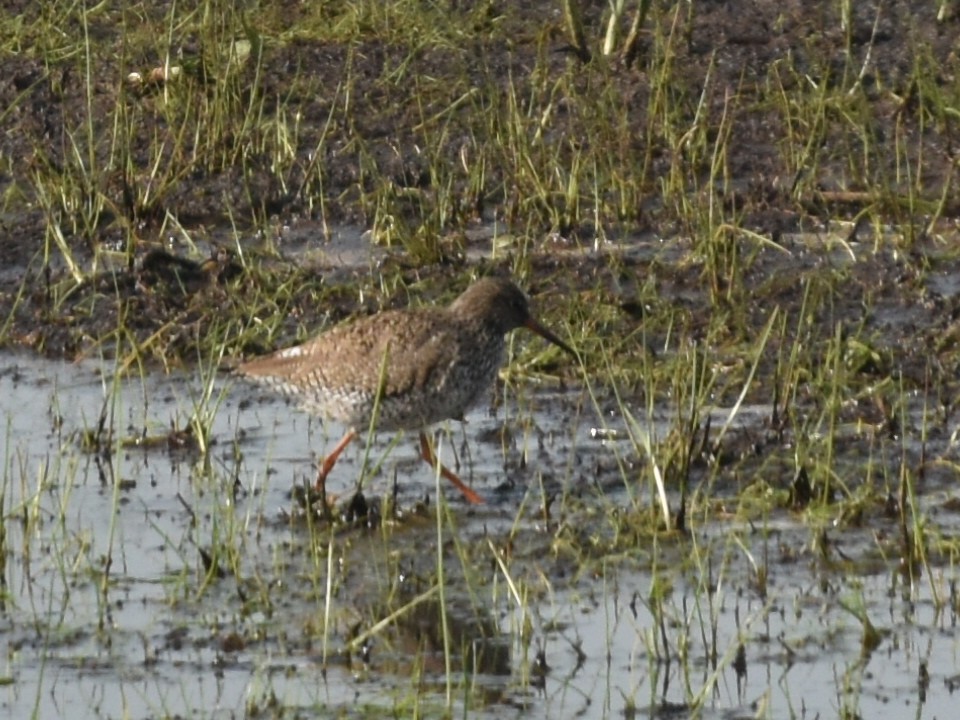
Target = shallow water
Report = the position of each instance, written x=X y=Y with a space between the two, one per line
x=108 y=610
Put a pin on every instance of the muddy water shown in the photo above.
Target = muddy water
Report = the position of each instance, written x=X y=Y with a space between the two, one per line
x=110 y=610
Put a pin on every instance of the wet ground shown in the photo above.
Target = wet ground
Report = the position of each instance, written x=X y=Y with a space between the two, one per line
x=154 y=561
x=754 y=67
x=162 y=582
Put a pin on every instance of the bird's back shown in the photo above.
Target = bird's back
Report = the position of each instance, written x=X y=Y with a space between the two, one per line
x=428 y=365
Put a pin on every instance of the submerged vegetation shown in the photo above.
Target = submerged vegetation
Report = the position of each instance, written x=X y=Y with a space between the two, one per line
x=742 y=215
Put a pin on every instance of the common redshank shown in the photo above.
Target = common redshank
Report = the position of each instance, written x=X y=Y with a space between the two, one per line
x=403 y=369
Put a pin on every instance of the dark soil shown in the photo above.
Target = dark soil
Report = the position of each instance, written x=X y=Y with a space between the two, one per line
x=898 y=57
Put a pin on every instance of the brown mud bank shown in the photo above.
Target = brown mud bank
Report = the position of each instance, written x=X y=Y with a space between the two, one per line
x=152 y=154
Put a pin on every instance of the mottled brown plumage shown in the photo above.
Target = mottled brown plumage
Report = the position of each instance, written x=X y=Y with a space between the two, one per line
x=427 y=365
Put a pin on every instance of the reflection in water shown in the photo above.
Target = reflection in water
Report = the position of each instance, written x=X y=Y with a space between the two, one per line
x=145 y=577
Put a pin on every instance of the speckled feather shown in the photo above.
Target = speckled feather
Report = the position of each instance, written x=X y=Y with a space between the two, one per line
x=435 y=363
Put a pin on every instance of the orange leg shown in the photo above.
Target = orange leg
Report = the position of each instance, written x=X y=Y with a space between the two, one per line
x=330 y=460
x=427 y=454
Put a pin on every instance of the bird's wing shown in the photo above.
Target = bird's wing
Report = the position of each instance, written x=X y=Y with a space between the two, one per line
x=403 y=348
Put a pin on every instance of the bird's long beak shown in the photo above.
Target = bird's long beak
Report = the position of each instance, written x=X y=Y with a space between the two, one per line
x=540 y=330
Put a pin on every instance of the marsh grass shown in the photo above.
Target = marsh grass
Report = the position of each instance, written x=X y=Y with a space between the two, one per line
x=226 y=554
x=555 y=145
x=537 y=144
x=679 y=345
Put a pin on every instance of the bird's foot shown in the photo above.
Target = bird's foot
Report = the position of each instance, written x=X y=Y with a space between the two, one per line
x=426 y=452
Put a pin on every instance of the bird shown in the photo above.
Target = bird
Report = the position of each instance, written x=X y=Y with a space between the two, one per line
x=403 y=369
